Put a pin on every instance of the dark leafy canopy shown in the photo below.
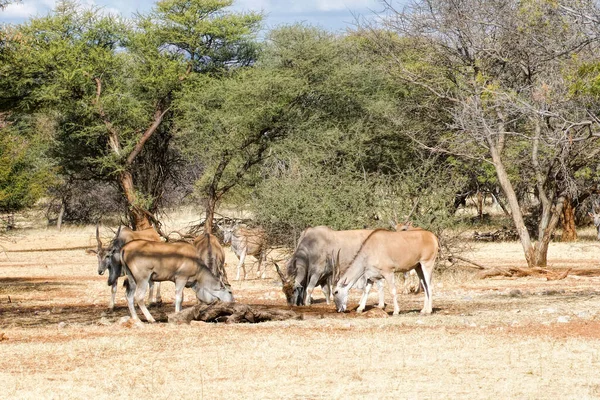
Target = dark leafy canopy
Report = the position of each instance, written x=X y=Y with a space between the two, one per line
x=206 y=36
x=110 y=82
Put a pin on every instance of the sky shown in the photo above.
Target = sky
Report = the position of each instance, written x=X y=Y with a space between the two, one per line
x=333 y=15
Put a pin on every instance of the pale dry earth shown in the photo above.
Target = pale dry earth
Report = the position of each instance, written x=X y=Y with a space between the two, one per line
x=502 y=338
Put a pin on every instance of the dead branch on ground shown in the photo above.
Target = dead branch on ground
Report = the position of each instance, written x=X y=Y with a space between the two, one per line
x=231 y=313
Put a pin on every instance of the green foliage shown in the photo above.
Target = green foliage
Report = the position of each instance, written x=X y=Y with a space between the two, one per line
x=25 y=172
x=307 y=197
x=108 y=81
x=343 y=163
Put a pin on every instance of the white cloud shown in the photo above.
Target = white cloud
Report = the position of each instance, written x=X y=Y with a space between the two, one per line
x=338 y=5
x=303 y=6
x=30 y=8
x=21 y=10
x=253 y=5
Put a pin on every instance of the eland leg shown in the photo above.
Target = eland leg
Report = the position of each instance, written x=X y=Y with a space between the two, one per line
x=179 y=285
x=241 y=265
x=326 y=287
x=158 y=296
x=113 y=294
x=380 y=288
x=140 y=297
x=129 y=295
x=309 y=289
x=363 y=299
x=425 y=273
x=154 y=296
x=389 y=277
x=260 y=272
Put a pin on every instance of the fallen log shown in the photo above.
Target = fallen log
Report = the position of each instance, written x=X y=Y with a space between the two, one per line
x=49 y=249
x=231 y=313
x=517 y=272
x=588 y=272
x=477 y=265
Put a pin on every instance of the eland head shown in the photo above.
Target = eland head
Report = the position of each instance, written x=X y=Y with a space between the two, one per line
x=294 y=293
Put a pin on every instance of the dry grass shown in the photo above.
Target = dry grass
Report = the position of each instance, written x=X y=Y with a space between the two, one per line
x=506 y=338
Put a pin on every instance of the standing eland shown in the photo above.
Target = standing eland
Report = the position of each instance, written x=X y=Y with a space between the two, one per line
x=246 y=241
x=312 y=263
x=381 y=255
x=123 y=236
x=144 y=261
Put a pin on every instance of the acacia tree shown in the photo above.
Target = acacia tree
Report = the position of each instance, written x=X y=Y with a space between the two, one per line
x=110 y=83
x=503 y=80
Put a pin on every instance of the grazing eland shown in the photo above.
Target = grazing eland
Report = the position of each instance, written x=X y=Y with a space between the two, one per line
x=246 y=241
x=409 y=286
x=212 y=255
x=381 y=255
x=595 y=214
x=144 y=261
x=123 y=236
x=312 y=263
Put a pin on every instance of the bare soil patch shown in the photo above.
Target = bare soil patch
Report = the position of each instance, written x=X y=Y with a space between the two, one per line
x=509 y=338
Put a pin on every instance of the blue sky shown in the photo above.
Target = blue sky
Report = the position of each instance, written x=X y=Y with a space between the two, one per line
x=334 y=15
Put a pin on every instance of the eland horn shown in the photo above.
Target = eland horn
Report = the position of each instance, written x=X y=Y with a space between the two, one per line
x=283 y=280
x=335 y=262
x=98 y=237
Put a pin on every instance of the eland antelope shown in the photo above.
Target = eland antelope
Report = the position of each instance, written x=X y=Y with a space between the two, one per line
x=212 y=255
x=144 y=261
x=381 y=254
x=246 y=241
x=595 y=214
x=123 y=236
x=312 y=263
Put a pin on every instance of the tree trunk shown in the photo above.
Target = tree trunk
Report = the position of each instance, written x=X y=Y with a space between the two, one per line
x=567 y=220
x=211 y=203
x=513 y=204
x=548 y=225
x=480 y=204
x=139 y=218
x=61 y=214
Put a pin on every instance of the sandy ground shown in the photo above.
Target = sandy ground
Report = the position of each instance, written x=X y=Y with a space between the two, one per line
x=505 y=338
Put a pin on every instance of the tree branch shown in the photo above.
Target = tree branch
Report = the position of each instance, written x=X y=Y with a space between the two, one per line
x=113 y=134
x=158 y=117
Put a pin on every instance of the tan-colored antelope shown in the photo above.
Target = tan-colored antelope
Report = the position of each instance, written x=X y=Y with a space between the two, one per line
x=212 y=255
x=246 y=241
x=124 y=235
x=311 y=264
x=381 y=255
x=144 y=261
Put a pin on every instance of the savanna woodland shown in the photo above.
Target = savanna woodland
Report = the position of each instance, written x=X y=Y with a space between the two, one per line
x=403 y=117
x=472 y=119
